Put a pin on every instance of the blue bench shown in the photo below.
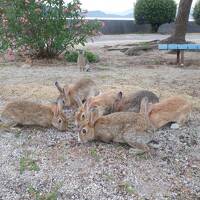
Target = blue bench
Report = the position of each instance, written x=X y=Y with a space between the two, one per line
x=180 y=48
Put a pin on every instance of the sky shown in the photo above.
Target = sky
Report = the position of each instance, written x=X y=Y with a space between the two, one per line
x=109 y=6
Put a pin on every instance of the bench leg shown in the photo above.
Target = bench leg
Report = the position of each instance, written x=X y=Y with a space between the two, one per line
x=178 y=57
x=182 y=58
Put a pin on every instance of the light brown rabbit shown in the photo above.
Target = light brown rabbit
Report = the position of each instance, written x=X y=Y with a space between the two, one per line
x=131 y=102
x=82 y=60
x=102 y=101
x=174 y=109
x=29 y=113
x=122 y=127
x=74 y=95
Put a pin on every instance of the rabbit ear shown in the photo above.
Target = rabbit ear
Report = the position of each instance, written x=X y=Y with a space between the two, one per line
x=61 y=90
x=144 y=106
x=119 y=95
x=93 y=116
x=55 y=109
x=87 y=104
x=78 y=100
x=60 y=105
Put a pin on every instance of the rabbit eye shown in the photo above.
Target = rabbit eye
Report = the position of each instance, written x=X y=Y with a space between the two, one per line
x=59 y=121
x=63 y=102
x=84 y=131
x=83 y=116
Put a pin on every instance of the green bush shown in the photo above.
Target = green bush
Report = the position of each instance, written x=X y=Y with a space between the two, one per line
x=155 y=12
x=48 y=27
x=72 y=56
x=91 y=57
x=196 y=13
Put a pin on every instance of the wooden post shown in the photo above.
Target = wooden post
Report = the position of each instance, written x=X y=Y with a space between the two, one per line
x=182 y=58
x=178 y=57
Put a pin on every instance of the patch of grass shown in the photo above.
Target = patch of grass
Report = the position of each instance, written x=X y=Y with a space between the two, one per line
x=108 y=177
x=142 y=156
x=18 y=133
x=27 y=164
x=156 y=62
x=35 y=194
x=144 y=45
x=51 y=196
x=104 y=77
x=126 y=186
x=93 y=153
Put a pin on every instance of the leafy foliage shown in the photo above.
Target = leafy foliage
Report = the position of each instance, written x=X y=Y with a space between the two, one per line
x=196 y=13
x=155 y=12
x=47 y=27
x=72 y=56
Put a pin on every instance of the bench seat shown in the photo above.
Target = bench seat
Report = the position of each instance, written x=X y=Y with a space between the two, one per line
x=180 y=48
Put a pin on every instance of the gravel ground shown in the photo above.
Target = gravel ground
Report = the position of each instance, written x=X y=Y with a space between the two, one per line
x=38 y=163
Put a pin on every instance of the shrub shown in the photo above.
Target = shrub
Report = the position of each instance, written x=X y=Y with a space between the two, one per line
x=196 y=13
x=72 y=56
x=48 y=27
x=155 y=12
x=91 y=57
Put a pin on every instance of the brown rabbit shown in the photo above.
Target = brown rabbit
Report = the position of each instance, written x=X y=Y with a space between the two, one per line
x=122 y=127
x=82 y=60
x=75 y=94
x=110 y=102
x=102 y=101
x=174 y=109
x=132 y=101
x=29 y=113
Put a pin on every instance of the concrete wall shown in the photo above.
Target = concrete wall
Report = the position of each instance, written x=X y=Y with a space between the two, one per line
x=129 y=26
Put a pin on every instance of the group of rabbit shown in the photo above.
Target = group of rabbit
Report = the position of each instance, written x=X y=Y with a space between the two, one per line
x=105 y=116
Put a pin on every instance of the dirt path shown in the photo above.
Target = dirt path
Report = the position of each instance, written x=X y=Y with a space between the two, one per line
x=101 y=171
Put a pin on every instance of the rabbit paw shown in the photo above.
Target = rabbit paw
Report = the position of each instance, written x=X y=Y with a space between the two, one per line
x=175 y=126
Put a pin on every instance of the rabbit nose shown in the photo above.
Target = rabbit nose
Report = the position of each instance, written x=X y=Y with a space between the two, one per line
x=77 y=129
x=68 y=109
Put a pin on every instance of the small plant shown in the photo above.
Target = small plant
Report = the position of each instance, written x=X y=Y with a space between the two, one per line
x=72 y=56
x=35 y=194
x=155 y=12
x=127 y=187
x=92 y=58
x=93 y=153
x=28 y=164
x=196 y=12
x=108 y=177
x=18 y=133
x=144 y=45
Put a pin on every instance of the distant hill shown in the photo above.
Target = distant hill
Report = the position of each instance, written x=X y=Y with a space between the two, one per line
x=101 y=14
x=128 y=12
